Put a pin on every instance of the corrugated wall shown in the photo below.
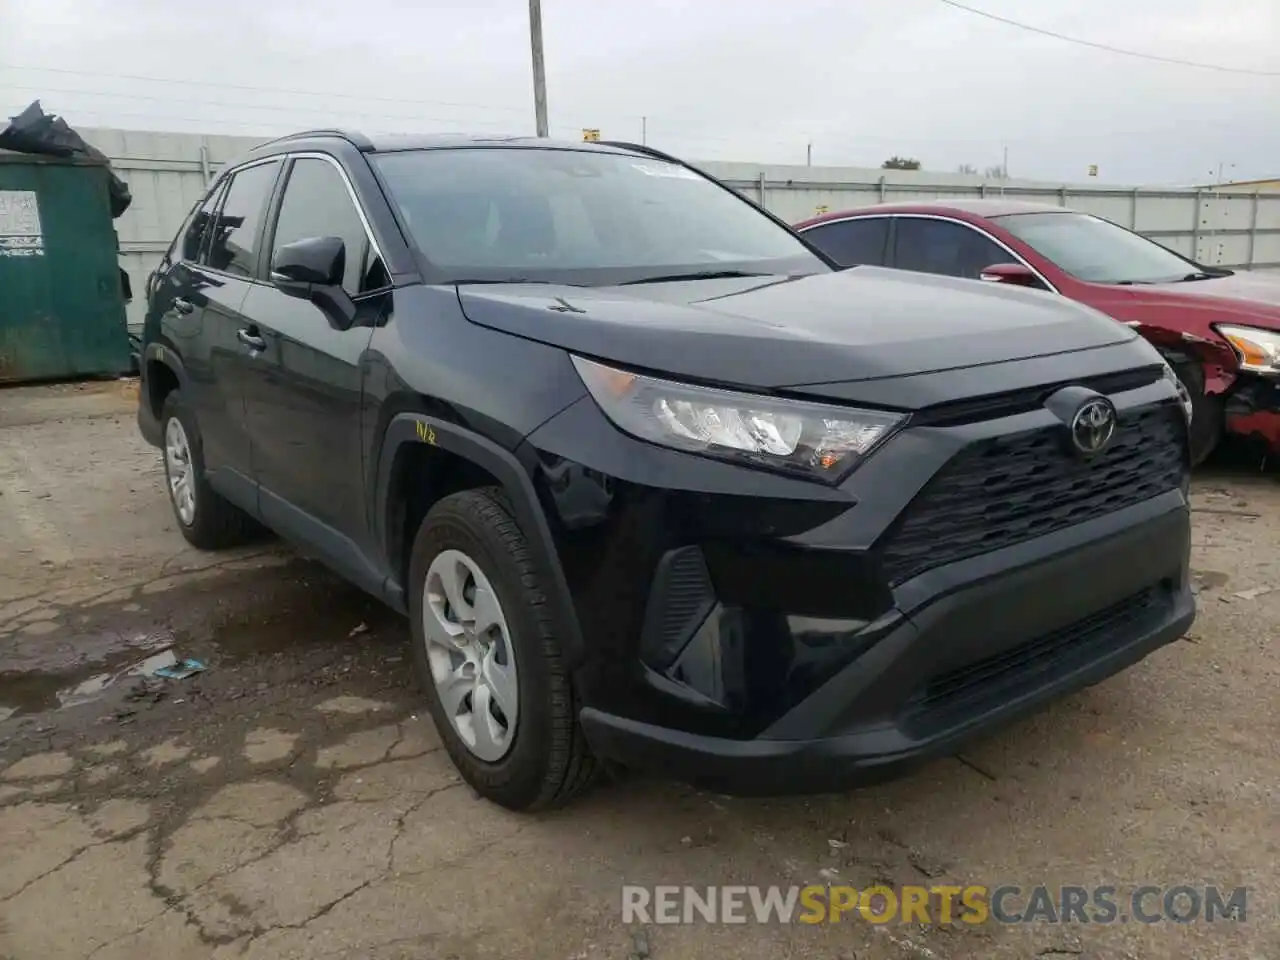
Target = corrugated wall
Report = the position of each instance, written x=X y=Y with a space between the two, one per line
x=1212 y=226
x=167 y=173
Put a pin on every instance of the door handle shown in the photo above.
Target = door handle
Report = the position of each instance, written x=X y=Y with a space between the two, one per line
x=182 y=305
x=251 y=340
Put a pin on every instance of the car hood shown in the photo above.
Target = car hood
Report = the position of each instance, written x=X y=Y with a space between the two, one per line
x=858 y=324
x=1250 y=298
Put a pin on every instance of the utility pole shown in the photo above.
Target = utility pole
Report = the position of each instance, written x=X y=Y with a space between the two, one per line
x=644 y=131
x=808 y=155
x=539 y=69
x=1006 y=162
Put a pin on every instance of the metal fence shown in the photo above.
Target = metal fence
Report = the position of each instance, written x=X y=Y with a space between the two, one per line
x=1217 y=227
x=167 y=173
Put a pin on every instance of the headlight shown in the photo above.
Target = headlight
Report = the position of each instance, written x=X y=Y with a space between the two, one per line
x=810 y=439
x=1259 y=350
x=1184 y=395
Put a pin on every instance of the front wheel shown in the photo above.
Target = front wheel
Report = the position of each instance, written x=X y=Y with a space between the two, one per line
x=1207 y=413
x=487 y=657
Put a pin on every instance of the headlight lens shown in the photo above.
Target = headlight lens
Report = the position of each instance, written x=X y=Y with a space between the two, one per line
x=1184 y=395
x=815 y=440
x=1259 y=350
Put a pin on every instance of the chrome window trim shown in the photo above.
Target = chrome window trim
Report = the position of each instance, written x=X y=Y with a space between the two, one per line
x=351 y=192
x=932 y=216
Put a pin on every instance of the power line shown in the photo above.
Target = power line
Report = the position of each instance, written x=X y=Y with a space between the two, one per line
x=316 y=109
x=676 y=132
x=250 y=88
x=1107 y=47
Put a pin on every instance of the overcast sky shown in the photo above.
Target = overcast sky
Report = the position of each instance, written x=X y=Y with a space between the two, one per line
x=752 y=80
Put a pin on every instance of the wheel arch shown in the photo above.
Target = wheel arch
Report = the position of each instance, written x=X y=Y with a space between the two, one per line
x=162 y=373
x=457 y=459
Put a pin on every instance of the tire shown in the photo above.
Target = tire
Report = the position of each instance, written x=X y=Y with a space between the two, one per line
x=546 y=761
x=213 y=523
x=1207 y=414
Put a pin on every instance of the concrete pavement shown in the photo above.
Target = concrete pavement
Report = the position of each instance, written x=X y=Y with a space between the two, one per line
x=292 y=800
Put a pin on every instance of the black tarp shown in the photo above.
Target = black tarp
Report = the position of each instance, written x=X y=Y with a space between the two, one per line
x=34 y=131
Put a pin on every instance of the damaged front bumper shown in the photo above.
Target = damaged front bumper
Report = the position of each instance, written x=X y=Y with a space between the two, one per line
x=1253 y=410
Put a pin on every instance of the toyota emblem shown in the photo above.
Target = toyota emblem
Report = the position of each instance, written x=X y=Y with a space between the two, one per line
x=1093 y=426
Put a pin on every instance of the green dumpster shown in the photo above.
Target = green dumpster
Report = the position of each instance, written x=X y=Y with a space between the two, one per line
x=62 y=312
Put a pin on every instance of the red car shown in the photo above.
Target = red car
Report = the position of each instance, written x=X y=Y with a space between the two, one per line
x=1219 y=330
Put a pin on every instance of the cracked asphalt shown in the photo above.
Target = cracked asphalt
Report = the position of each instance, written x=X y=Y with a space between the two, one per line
x=292 y=800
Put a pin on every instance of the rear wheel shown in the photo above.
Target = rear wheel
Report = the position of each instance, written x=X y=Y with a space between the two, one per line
x=206 y=520
x=487 y=657
x=1207 y=413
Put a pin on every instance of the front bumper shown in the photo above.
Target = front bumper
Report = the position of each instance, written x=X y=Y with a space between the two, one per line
x=1253 y=411
x=968 y=662
x=765 y=634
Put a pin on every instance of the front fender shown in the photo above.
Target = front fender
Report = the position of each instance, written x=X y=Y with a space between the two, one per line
x=1218 y=363
x=416 y=428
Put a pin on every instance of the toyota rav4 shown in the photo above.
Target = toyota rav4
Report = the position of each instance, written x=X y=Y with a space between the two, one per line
x=654 y=482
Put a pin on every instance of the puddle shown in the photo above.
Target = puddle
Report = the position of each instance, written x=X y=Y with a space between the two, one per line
x=297 y=610
x=36 y=692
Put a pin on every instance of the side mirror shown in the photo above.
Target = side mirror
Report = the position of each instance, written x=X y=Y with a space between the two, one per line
x=313 y=269
x=1014 y=274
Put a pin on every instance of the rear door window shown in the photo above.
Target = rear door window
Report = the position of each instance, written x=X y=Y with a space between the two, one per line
x=851 y=243
x=233 y=246
x=945 y=247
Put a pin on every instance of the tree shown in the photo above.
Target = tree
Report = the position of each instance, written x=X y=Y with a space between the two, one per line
x=967 y=168
x=900 y=163
x=995 y=173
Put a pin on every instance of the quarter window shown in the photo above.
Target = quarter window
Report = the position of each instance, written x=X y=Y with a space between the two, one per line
x=196 y=230
x=938 y=246
x=233 y=247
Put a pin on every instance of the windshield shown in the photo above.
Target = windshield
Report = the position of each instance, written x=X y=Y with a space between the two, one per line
x=577 y=216
x=1095 y=250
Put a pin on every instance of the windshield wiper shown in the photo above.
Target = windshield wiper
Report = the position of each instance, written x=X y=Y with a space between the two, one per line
x=702 y=275
x=1197 y=275
x=553 y=283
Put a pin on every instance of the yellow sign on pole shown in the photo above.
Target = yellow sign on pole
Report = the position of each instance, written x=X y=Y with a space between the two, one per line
x=590 y=134
x=1093 y=169
x=820 y=209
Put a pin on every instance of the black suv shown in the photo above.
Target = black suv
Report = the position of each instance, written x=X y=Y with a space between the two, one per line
x=654 y=483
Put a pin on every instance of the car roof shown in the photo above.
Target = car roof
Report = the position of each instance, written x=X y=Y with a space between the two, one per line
x=976 y=207
x=390 y=143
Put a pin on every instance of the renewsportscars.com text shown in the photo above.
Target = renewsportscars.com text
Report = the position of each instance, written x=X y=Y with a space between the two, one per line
x=973 y=904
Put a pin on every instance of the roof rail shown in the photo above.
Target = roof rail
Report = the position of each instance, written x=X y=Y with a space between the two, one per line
x=357 y=140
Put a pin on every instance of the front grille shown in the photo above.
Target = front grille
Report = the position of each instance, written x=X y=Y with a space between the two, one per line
x=1013 y=402
x=1057 y=652
x=1006 y=490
